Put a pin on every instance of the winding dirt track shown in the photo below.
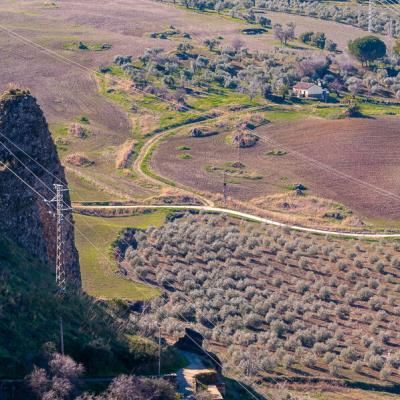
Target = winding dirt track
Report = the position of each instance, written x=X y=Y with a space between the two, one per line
x=249 y=217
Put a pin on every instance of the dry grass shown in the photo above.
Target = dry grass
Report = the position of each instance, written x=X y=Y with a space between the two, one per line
x=309 y=209
x=125 y=154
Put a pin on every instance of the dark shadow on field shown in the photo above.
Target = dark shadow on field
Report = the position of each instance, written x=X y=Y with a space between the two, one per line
x=235 y=390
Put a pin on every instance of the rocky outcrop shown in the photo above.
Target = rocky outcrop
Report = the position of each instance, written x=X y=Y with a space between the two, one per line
x=28 y=156
x=245 y=140
x=203 y=132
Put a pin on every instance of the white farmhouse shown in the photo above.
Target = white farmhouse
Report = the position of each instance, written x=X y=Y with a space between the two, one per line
x=309 y=90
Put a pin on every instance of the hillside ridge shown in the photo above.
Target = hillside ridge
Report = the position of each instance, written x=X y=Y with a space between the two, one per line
x=25 y=218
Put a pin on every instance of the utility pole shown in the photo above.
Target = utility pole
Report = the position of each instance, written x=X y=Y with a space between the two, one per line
x=61 y=336
x=159 y=350
x=225 y=189
x=370 y=10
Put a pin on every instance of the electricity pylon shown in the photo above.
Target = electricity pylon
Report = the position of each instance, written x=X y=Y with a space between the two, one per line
x=370 y=16
x=61 y=280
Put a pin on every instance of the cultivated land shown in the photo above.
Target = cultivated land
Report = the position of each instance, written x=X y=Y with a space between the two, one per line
x=364 y=149
x=351 y=294
x=272 y=302
x=67 y=93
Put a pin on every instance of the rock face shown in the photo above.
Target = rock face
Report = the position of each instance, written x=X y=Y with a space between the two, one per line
x=24 y=215
x=192 y=341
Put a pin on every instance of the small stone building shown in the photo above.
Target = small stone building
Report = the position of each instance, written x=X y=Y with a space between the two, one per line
x=309 y=90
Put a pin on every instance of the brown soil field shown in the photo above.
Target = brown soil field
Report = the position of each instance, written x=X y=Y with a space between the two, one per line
x=354 y=162
x=66 y=92
x=339 y=33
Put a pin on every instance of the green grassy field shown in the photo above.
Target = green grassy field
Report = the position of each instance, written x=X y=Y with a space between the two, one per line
x=94 y=237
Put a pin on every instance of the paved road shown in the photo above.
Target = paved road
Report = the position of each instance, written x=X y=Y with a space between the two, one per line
x=249 y=217
x=186 y=377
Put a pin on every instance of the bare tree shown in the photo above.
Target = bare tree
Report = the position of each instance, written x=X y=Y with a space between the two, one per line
x=58 y=381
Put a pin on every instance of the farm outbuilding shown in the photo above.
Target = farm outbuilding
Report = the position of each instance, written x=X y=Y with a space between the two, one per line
x=309 y=90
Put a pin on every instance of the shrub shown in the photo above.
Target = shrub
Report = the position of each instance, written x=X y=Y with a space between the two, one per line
x=343 y=312
x=357 y=366
x=310 y=361
x=365 y=294
x=375 y=362
x=385 y=373
x=334 y=368
x=305 y=37
x=287 y=361
x=329 y=357
x=349 y=354
x=375 y=304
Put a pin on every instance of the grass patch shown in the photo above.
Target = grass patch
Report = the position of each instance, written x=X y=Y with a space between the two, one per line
x=83 y=119
x=58 y=130
x=83 y=189
x=113 y=70
x=118 y=96
x=283 y=115
x=185 y=156
x=233 y=172
x=183 y=148
x=83 y=46
x=379 y=109
x=277 y=153
x=98 y=270
x=223 y=97
x=92 y=335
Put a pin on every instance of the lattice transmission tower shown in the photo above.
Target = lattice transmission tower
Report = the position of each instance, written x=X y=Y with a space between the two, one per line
x=370 y=14
x=58 y=200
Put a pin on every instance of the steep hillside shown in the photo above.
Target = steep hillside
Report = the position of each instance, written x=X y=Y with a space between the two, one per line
x=24 y=216
x=30 y=308
x=30 y=311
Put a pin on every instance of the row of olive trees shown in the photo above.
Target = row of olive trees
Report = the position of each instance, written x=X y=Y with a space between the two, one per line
x=275 y=291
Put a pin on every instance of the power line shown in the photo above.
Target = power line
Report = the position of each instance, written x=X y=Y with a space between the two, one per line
x=22 y=180
x=331 y=169
x=59 y=189
x=60 y=275
x=59 y=203
x=67 y=60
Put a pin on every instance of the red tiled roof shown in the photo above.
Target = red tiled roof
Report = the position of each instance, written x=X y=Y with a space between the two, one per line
x=303 y=85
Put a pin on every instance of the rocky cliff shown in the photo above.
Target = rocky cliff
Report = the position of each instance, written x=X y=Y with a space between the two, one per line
x=24 y=215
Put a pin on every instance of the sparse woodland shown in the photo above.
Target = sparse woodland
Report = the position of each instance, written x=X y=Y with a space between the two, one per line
x=277 y=301
x=248 y=10
x=275 y=72
x=232 y=67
